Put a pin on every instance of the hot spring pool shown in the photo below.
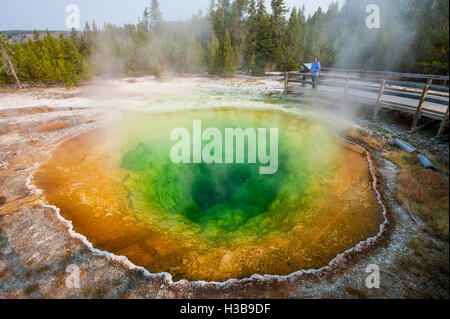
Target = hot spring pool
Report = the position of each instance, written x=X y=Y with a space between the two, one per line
x=214 y=222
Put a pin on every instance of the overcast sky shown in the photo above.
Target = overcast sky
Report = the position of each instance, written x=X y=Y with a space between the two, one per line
x=43 y=14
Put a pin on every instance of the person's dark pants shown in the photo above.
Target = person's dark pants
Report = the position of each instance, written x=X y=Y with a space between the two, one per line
x=314 y=81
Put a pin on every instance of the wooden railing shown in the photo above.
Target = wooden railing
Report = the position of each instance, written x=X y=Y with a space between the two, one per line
x=420 y=87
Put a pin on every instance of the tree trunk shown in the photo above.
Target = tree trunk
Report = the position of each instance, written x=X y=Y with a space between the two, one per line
x=7 y=61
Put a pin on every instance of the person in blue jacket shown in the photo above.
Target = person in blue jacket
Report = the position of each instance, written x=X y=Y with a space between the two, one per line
x=315 y=70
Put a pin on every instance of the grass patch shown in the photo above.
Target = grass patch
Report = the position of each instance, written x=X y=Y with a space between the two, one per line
x=425 y=191
x=371 y=140
x=31 y=288
x=359 y=293
x=100 y=292
x=430 y=264
x=86 y=290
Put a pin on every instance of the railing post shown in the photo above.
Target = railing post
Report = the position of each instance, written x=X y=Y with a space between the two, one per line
x=380 y=96
x=421 y=103
x=443 y=124
x=286 y=82
x=347 y=83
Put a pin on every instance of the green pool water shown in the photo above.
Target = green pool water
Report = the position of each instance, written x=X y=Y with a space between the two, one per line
x=226 y=201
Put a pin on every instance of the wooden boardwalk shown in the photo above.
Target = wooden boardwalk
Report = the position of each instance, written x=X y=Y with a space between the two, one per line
x=381 y=89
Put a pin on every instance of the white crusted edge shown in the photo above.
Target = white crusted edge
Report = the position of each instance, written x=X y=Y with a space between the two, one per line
x=168 y=277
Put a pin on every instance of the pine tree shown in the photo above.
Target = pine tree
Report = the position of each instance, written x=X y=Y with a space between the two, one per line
x=71 y=62
x=222 y=19
x=155 y=17
x=49 y=59
x=20 y=57
x=264 y=48
x=35 y=58
x=250 y=36
x=229 y=57
x=430 y=45
x=146 y=18
x=213 y=60
x=75 y=38
x=291 y=49
x=94 y=29
x=278 y=25
x=237 y=33
x=211 y=9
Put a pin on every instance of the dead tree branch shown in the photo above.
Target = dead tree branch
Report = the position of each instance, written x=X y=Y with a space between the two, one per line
x=7 y=62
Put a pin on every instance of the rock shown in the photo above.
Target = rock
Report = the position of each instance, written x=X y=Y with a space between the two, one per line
x=2 y=200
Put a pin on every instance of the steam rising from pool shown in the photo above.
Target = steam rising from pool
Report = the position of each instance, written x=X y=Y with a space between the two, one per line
x=214 y=221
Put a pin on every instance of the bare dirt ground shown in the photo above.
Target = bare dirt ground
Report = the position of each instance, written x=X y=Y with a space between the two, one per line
x=36 y=245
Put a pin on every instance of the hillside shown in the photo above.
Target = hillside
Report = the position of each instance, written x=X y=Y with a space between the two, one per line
x=23 y=35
